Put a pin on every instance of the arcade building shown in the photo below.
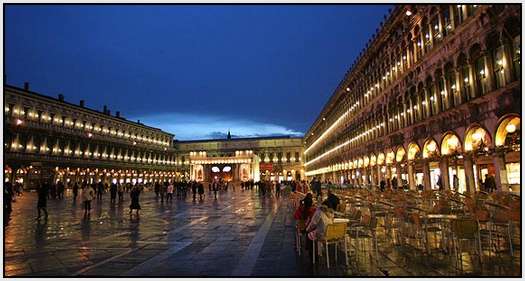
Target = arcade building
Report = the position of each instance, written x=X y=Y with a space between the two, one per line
x=435 y=96
x=244 y=159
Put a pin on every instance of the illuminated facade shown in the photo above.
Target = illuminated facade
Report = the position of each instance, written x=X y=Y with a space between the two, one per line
x=436 y=93
x=243 y=159
x=48 y=138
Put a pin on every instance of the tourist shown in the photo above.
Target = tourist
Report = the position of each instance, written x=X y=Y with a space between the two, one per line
x=53 y=191
x=42 y=198
x=8 y=197
x=113 y=192
x=382 y=185
x=316 y=228
x=490 y=183
x=200 y=188
x=134 y=195
x=75 y=192
x=170 y=192
x=100 y=190
x=87 y=195
x=163 y=190
x=332 y=201
x=455 y=183
x=394 y=183
x=277 y=189
x=316 y=187
x=157 y=190
x=215 y=187
x=60 y=190
x=194 y=189
x=120 y=192
x=305 y=210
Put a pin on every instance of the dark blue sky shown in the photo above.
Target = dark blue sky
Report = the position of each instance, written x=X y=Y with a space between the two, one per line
x=194 y=71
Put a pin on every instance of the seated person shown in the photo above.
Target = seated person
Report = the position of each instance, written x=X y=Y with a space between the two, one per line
x=332 y=201
x=322 y=217
x=305 y=211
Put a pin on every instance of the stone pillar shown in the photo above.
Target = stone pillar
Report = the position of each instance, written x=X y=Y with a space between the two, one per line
x=411 y=176
x=398 y=175
x=373 y=177
x=388 y=176
x=469 y=173
x=427 y=183
x=500 y=177
x=443 y=167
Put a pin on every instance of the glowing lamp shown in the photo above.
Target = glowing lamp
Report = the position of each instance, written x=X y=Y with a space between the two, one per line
x=510 y=128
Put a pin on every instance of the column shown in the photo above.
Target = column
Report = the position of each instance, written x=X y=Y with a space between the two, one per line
x=469 y=173
x=501 y=172
x=398 y=175
x=388 y=176
x=411 y=177
x=373 y=178
x=426 y=176
x=443 y=167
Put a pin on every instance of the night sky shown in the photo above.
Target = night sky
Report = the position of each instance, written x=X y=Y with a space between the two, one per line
x=195 y=71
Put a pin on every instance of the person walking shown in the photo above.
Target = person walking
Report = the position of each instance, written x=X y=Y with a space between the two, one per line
x=163 y=190
x=75 y=192
x=194 y=190
x=135 y=196
x=200 y=189
x=215 y=187
x=170 y=192
x=120 y=191
x=43 y=193
x=277 y=189
x=88 y=193
x=60 y=190
x=100 y=190
x=394 y=183
x=382 y=185
x=113 y=192
x=157 y=190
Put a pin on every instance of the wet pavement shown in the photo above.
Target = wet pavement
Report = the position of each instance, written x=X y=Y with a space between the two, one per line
x=240 y=234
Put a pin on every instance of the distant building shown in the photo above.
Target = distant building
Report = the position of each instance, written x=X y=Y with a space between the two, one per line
x=243 y=159
x=436 y=94
x=48 y=138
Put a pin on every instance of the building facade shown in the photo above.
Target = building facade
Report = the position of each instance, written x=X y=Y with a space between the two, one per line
x=435 y=96
x=47 y=138
x=244 y=159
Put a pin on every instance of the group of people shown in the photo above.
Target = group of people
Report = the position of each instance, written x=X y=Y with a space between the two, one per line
x=313 y=221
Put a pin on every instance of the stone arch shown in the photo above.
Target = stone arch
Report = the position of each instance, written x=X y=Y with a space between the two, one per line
x=413 y=151
x=373 y=159
x=450 y=144
x=509 y=123
x=390 y=156
x=477 y=137
x=430 y=148
x=400 y=154
x=380 y=158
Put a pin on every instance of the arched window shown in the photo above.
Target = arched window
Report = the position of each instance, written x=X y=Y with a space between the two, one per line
x=480 y=72
x=446 y=25
x=422 y=106
x=432 y=99
x=464 y=71
x=441 y=92
x=458 y=15
x=516 y=56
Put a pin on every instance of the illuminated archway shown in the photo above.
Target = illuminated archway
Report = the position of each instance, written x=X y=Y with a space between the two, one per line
x=360 y=163
x=413 y=151
x=477 y=138
x=430 y=149
x=400 y=154
x=380 y=158
x=508 y=131
x=372 y=160
x=450 y=144
x=366 y=161
x=390 y=157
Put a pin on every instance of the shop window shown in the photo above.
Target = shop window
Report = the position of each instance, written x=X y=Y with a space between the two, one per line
x=513 y=173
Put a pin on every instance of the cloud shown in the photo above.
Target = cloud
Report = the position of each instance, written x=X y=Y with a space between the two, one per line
x=192 y=126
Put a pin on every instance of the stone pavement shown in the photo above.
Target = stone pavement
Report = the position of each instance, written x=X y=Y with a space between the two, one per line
x=240 y=234
x=181 y=238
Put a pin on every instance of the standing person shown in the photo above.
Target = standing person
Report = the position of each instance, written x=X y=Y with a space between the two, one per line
x=134 y=195
x=194 y=189
x=490 y=183
x=53 y=191
x=215 y=187
x=316 y=186
x=439 y=183
x=277 y=189
x=42 y=198
x=75 y=191
x=120 y=192
x=200 y=189
x=8 y=198
x=209 y=188
x=394 y=183
x=382 y=185
x=170 y=192
x=113 y=192
x=157 y=190
x=163 y=190
x=100 y=190
x=87 y=195
x=455 y=183
x=60 y=190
